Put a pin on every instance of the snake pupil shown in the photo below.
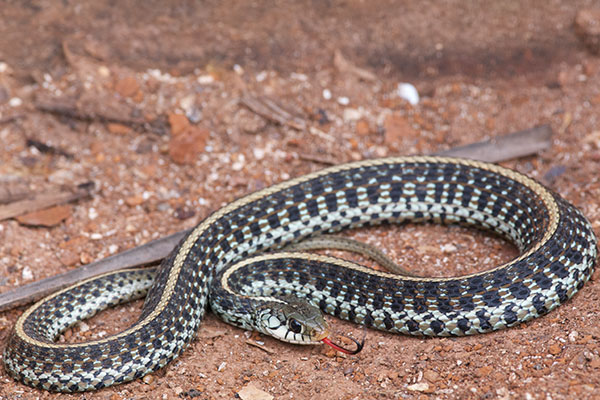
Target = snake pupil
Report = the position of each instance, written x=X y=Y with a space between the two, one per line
x=294 y=325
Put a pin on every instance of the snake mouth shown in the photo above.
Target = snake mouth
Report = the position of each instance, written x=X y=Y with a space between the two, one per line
x=321 y=335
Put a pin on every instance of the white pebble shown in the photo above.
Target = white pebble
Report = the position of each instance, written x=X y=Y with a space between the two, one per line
x=96 y=236
x=299 y=77
x=327 y=94
x=92 y=213
x=343 y=100
x=222 y=366
x=352 y=114
x=113 y=248
x=238 y=69
x=259 y=153
x=205 y=79
x=573 y=336
x=448 y=248
x=261 y=76
x=104 y=71
x=15 y=102
x=408 y=92
x=187 y=103
x=418 y=387
x=27 y=274
x=62 y=176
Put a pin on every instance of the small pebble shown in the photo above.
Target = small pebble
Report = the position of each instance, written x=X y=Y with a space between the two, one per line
x=238 y=69
x=299 y=77
x=85 y=258
x=92 y=213
x=352 y=114
x=83 y=327
x=15 y=102
x=418 y=387
x=104 y=71
x=327 y=94
x=252 y=392
x=573 y=336
x=205 y=79
x=261 y=76
x=448 y=248
x=259 y=153
x=408 y=92
x=27 y=274
x=187 y=103
x=221 y=366
x=343 y=100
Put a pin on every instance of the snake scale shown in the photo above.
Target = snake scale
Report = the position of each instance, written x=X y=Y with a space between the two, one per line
x=226 y=254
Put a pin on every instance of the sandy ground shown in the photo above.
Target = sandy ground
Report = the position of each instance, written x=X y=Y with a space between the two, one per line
x=144 y=100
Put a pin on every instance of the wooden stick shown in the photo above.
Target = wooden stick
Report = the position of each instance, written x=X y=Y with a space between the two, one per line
x=506 y=147
x=145 y=254
x=42 y=201
x=69 y=107
x=503 y=148
x=274 y=112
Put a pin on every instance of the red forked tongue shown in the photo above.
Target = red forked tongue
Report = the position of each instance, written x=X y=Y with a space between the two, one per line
x=359 y=345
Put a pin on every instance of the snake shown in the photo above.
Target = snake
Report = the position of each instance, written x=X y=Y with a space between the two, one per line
x=236 y=260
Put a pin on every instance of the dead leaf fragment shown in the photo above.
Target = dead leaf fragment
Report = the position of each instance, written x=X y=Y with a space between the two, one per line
x=555 y=349
x=127 y=87
x=179 y=123
x=119 y=129
x=184 y=147
x=134 y=200
x=484 y=371
x=47 y=217
x=251 y=392
x=431 y=375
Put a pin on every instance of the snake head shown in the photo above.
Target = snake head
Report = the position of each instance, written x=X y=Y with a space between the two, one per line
x=293 y=321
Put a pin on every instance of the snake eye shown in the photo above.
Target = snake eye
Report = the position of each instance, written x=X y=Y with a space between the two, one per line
x=294 y=325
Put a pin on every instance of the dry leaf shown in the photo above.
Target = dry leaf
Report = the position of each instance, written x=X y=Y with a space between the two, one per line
x=179 y=123
x=184 y=147
x=251 y=392
x=47 y=217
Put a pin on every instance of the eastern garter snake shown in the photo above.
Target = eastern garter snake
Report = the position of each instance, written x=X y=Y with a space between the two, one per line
x=557 y=255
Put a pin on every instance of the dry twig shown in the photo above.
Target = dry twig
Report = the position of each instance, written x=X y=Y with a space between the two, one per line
x=44 y=200
x=274 y=111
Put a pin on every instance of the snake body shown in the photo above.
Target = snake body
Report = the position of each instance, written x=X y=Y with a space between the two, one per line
x=227 y=250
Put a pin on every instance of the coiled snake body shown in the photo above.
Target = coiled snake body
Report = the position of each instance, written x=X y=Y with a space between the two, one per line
x=556 y=243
